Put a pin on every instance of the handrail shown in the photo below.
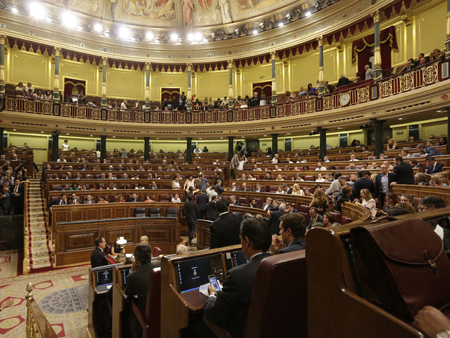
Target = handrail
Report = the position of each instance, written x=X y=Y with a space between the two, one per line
x=26 y=255
x=425 y=75
x=37 y=326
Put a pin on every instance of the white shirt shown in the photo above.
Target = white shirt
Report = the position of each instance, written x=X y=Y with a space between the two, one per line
x=385 y=183
x=321 y=168
x=241 y=164
x=65 y=147
x=123 y=105
x=320 y=180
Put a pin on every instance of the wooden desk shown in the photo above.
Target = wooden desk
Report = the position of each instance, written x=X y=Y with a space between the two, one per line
x=176 y=308
x=118 y=301
x=76 y=227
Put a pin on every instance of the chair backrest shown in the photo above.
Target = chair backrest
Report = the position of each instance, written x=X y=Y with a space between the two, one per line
x=172 y=212
x=154 y=212
x=156 y=251
x=153 y=306
x=279 y=298
x=139 y=212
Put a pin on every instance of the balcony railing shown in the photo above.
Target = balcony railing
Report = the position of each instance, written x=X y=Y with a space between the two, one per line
x=426 y=75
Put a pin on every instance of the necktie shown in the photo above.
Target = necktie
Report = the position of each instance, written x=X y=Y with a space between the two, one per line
x=16 y=189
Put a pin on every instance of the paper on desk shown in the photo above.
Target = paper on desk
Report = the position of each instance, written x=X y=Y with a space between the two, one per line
x=129 y=255
x=108 y=286
x=204 y=289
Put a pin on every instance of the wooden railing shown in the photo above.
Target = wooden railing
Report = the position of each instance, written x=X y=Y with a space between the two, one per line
x=428 y=74
x=26 y=253
x=37 y=326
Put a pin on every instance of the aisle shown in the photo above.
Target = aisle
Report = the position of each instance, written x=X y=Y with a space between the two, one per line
x=38 y=231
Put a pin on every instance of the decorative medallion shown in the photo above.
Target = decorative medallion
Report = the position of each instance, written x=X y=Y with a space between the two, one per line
x=444 y=97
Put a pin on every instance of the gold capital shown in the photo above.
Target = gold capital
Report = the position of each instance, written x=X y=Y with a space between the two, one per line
x=320 y=40
x=147 y=65
x=376 y=16
x=57 y=51
x=105 y=60
x=273 y=54
x=230 y=63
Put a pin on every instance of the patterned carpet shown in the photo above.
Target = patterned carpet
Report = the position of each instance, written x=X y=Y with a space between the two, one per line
x=61 y=294
x=8 y=263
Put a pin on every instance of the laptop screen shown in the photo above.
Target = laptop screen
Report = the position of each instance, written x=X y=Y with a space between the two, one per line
x=104 y=277
x=193 y=273
x=125 y=273
x=238 y=258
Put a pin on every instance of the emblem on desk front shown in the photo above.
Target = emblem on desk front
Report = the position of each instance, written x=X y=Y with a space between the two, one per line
x=194 y=272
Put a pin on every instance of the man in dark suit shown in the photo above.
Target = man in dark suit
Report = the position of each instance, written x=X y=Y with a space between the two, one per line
x=234 y=201
x=274 y=220
x=17 y=197
x=89 y=200
x=229 y=307
x=258 y=188
x=364 y=182
x=202 y=203
x=211 y=212
x=62 y=200
x=98 y=257
x=409 y=65
x=134 y=198
x=268 y=205
x=138 y=281
x=403 y=172
x=74 y=199
x=233 y=187
x=219 y=188
x=244 y=187
x=315 y=217
x=254 y=102
x=286 y=189
x=292 y=231
x=5 y=201
x=290 y=208
x=343 y=81
x=433 y=167
x=253 y=204
x=383 y=184
x=421 y=179
x=427 y=151
x=190 y=210
x=225 y=229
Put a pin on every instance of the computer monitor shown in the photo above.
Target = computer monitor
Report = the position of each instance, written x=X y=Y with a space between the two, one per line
x=104 y=277
x=193 y=273
x=238 y=258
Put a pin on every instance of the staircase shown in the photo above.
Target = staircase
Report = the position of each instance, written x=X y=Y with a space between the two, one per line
x=37 y=234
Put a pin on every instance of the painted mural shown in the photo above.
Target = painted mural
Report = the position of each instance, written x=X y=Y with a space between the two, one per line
x=243 y=9
x=151 y=12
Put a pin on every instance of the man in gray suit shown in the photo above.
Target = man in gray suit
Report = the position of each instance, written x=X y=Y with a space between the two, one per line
x=369 y=73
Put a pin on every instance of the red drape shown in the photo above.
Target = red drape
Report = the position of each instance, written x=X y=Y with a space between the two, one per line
x=264 y=89
x=361 y=48
x=69 y=84
x=167 y=92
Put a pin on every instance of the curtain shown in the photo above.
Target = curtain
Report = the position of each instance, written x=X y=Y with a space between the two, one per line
x=70 y=84
x=362 y=48
x=264 y=89
x=167 y=92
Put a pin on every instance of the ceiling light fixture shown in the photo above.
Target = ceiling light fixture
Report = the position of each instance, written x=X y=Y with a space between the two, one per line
x=14 y=10
x=280 y=24
x=198 y=36
x=174 y=37
x=150 y=36
x=289 y=17
x=308 y=14
x=49 y=18
x=37 y=10
x=237 y=31
x=190 y=37
x=124 y=32
x=262 y=25
x=98 y=28
x=255 y=32
x=69 y=19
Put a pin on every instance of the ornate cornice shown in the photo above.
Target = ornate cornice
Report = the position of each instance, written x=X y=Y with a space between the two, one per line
x=323 y=23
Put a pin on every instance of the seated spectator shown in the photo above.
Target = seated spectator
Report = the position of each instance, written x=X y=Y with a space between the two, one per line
x=435 y=180
x=343 y=81
x=320 y=178
x=311 y=90
x=120 y=199
x=279 y=178
x=176 y=198
x=81 y=97
x=400 y=209
x=443 y=178
x=433 y=166
x=320 y=167
x=370 y=74
x=40 y=95
x=20 y=88
x=227 y=308
x=443 y=141
x=48 y=96
x=319 y=201
x=420 y=179
x=391 y=145
x=315 y=217
x=328 y=221
x=410 y=64
x=289 y=96
x=292 y=232
x=391 y=201
x=297 y=191
x=123 y=105
x=328 y=88
x=279 y=190
x=368 y=202
x=302 y=92
x=426 y=151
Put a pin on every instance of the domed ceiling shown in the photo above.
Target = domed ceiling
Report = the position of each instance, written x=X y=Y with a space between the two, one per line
x=176 y=13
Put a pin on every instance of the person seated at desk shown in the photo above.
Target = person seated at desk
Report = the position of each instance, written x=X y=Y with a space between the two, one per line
x=229 y=307
x=343 y=81
x=98 y=257
x=137 y=283
x=292 y=231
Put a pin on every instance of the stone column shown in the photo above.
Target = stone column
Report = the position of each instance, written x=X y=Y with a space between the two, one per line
x=147 y=87
x=2 y=74
x=274 y=144
x=448 y=128
x=104 y=103
x=377 y=56
x=56 y=95
x=189 y=92
x=102 y=147
x=321 y=86
x=230 y=86
x=1 y=140
x=447 y=42
x=274 y=80
x=379 y=146
x=323 y=143
x=146 y=148
x=55 y=145
x=189 y=150
x=230 y=147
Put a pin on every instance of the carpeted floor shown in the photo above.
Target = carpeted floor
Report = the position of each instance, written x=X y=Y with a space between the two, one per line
x=61 y=294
